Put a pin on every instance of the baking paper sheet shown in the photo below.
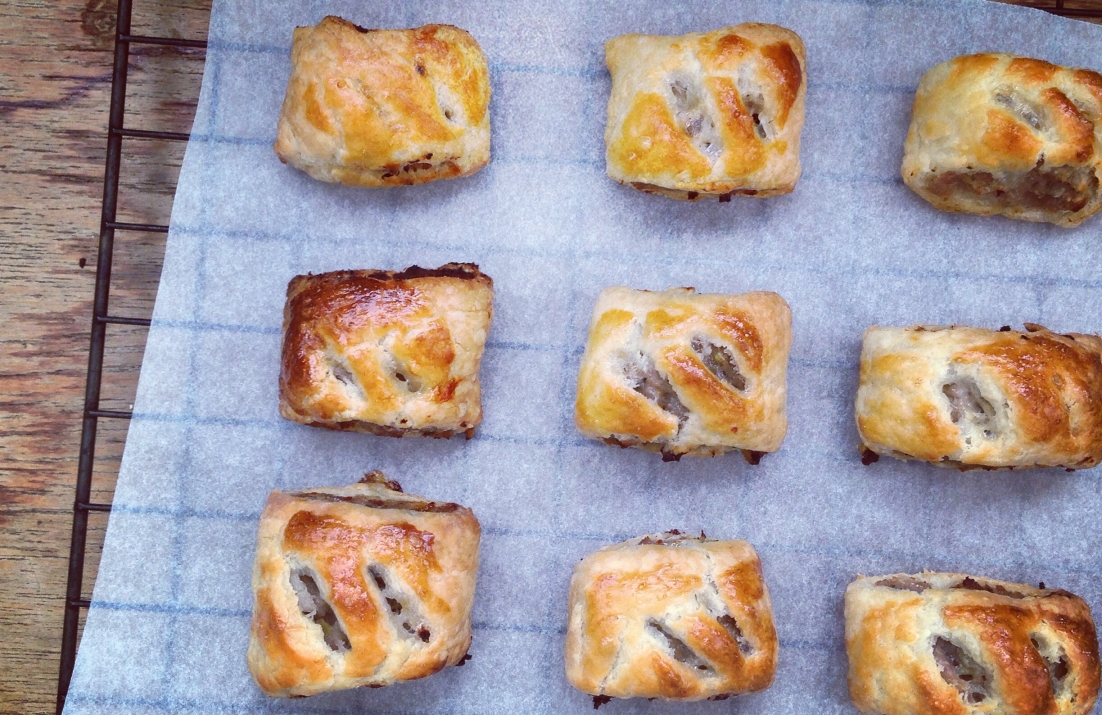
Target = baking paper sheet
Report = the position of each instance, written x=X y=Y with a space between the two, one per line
x=850 y=247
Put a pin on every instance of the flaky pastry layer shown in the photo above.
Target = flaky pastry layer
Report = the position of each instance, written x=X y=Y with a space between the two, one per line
x=954 y=644
x=707 y=114
x=972 y=397
x=670 y=616
x=359 y=586
x=394 y=353
x=1016 y=136
x=385 y=107
x=680 y=373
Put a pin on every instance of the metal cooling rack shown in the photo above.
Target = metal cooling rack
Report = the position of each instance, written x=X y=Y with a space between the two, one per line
x=116 y=132
x=74 y=600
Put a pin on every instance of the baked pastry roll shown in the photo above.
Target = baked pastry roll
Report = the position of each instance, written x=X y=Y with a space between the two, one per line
x=998 y=134
x=670 y=616
x=680 y=373
x=391 y=353
x=971 y=397
x=359 y=586
x=946 y=643
x=707 y=114
x=385 y=107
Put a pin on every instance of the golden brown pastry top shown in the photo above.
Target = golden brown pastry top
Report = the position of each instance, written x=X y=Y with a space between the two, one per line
x=670 y=616
x=385 y=107
x=952 y=644
x=716 y=113
x=359 y=585
x=400 y=350
x=972 y=396
x=997 y=114
x=686 y=373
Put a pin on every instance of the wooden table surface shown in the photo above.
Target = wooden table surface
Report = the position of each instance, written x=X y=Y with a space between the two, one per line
x=55 y=83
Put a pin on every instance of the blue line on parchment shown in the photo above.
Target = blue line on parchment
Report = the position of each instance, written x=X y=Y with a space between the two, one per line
x=218 y=46
x=203 y=326
x=905 y=89
x=266 y=705
x=787 y=266
x=211 y=138
x=185 y=512
x=173 y=609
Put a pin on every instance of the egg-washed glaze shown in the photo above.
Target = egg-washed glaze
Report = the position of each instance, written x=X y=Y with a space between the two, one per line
x=394 y=353
x=707 y=114
x=978 y=398
x=385 y=107
x=680 y=373
x=1016 y=136
x=954 y=644
x=670 y=616
x=359 y=586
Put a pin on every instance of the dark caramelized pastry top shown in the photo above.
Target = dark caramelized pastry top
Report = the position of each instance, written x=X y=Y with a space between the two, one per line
x=392 y=353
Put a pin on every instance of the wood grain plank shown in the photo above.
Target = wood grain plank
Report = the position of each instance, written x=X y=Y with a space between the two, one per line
x=55 y=70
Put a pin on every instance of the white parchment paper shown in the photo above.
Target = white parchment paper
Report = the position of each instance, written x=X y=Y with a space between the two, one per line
x=850 y=247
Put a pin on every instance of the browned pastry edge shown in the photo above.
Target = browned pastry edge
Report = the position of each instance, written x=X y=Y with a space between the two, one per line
x=384 y=431
x=464 y=271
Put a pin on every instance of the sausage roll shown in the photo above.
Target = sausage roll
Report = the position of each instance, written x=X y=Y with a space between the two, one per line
x=998 y=134
x=680 y=373
x=391 y=353
x=359 y=586
x=707 y=114
x=951 y=644
x=670 y=616
x=971 y=397
x=385 y=107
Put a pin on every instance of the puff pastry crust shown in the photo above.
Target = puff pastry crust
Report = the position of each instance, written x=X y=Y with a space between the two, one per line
x=952 y=644
x=971 y=397
x=391 y=353
x=385 y=107
x=999 y=134
x=359 y=586
x=672 y=617
x=707 y=114
x=680 y=373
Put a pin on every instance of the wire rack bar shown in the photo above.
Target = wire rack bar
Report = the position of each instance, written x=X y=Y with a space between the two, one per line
x=93 y=507
x=151 y=227
x=101 y=319
x=144 y=134
x=127 y=38
x=122 y=320
x=95 y=357
x=110 y=414
x=1061 y=9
